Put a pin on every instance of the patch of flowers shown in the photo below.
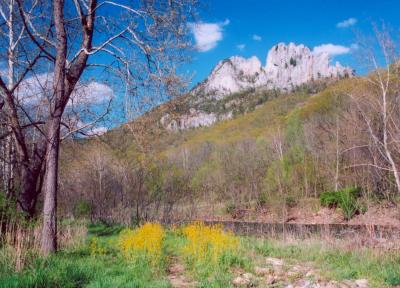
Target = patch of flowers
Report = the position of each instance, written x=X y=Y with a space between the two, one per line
x=146 y=241
x=207 y=243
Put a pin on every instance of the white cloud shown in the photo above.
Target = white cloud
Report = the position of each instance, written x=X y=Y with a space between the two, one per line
x=91 y=93
x=241 y=46
x=347 y=23
x=257 y=37
x=99 y=130
x=331 y=49
x=37 y=88
x=207 y=35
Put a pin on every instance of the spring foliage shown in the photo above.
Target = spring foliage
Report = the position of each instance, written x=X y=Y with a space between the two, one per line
x=346 y=199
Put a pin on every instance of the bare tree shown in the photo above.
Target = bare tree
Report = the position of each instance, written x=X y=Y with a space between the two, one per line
x=139 y=43
x=377 y=102
x=21 y=57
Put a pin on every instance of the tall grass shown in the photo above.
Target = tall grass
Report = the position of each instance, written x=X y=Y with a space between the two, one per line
x=20 y=242
x=78 y=265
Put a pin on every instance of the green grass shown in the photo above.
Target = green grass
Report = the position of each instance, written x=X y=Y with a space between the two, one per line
x=80 y=268
x=381 y=268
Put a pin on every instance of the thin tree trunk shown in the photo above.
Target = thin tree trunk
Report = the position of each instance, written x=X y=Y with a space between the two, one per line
x=337 y=155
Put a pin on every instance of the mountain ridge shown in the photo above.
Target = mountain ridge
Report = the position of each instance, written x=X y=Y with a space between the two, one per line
x=286 y=67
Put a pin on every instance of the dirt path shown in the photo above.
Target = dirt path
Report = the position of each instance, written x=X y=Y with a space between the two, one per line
x=177 y=277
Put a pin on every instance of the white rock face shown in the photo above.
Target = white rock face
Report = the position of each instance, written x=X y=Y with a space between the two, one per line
x=291 y=65
x=194 y=119
x=287 y=66
x=232 y=75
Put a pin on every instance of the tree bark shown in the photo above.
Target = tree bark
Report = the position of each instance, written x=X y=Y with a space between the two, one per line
x=49 y=232
x=29 y=193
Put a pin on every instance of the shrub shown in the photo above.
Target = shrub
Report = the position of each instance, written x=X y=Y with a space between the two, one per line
x=230 y=208
x=82 y=209
x=207 y=243
x=8 y=211
x=144 y=241
x=262 y=198
x=345 y=198
x=290 y=201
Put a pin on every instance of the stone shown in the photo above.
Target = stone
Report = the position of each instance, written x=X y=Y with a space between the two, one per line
x=362 y=283
x=248 y=276
x=274 y=261
x=347 y=284
x=262 y=271
x=240 y=281
x=293 y=274
x=310 y=273
x=194 y=119
x=270 y=280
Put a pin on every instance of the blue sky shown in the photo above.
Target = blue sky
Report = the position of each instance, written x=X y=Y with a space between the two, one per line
x=252 y=27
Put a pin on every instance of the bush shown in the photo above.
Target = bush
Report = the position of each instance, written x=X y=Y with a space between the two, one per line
x=290 y=201
x=145 y=241
x=8 y=211
x=262 y=199
x=82 y=209
x=346 y=199
x=230 y=208
x=207 y=244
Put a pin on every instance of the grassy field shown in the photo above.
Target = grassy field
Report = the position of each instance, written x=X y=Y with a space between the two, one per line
x=200 y=256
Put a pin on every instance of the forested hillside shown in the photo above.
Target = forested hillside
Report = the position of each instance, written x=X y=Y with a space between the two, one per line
x=280 y=155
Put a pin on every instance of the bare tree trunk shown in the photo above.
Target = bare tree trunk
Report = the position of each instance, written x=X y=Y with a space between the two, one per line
x=49 y=232
x=11 y=62
x=28 y=195
x=337 y=155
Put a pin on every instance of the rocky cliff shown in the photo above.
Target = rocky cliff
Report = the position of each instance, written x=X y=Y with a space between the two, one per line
x=287 y=67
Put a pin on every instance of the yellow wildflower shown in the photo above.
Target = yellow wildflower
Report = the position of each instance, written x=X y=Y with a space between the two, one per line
x=146 y=240
x=207 y=242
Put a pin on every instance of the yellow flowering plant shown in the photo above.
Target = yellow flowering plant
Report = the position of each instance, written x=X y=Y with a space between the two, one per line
x=146 y=241
x=207 y=243
x=96 y=248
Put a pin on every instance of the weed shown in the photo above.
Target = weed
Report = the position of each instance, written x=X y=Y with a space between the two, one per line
x=346 y=199
x=145 y=241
